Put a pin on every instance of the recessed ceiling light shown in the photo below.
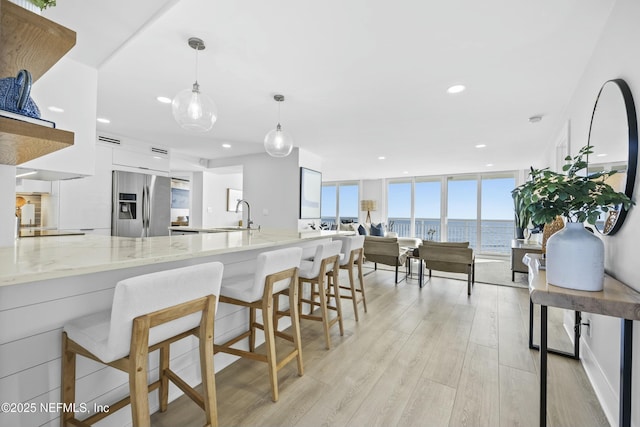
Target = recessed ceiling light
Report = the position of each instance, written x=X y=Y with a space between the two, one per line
x=405 y=172
x=103 y=120
x=164 y=99
x=381 y=157
x=601 y=155
x=226 y=145
x=456 y=88
x=489 y=165
x=535 y=119
x=481 y=145
x=56 y=109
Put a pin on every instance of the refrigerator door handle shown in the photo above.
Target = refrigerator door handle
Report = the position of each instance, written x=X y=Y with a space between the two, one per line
x=145 y=201
x=150 y=192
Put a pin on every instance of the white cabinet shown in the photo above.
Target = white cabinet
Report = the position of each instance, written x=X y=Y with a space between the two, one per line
x=141 y=157
x=32 y=186
x=85 y=203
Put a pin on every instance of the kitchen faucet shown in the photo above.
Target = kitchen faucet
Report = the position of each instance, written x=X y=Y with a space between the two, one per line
x=249 y=222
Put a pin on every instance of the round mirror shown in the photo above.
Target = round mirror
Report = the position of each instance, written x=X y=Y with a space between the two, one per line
x=614 y=136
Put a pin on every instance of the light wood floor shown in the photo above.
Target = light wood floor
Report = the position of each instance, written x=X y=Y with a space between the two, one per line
x=430 y=357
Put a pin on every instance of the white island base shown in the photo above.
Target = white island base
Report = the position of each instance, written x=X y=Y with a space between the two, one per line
x=44 y=282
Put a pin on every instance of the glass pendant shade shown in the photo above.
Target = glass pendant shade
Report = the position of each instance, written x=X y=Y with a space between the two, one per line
x=194 y=110
x=278 y=143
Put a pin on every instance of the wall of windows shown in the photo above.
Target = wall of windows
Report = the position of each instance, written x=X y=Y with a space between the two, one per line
x=474 y=208
x=339 y=203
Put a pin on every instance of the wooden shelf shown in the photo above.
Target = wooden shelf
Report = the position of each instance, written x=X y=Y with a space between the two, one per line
x=22 y=141
x=29 y=41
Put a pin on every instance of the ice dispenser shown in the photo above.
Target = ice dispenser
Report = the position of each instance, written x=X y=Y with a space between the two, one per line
x=126 y=206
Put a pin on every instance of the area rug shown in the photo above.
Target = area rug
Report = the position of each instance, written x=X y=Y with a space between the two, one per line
x=488 y=270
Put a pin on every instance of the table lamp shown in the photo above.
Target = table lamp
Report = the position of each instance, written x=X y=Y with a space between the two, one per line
x=368 y=205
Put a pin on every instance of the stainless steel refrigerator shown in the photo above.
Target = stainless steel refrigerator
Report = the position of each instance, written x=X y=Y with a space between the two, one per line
x=141 y=205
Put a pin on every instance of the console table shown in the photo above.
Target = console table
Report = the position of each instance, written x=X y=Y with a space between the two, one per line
x=616 y=300
x=519 y=248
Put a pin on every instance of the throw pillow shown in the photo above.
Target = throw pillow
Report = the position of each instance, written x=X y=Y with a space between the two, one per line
x=346 y=227
x=377 y=230
x=362 y=231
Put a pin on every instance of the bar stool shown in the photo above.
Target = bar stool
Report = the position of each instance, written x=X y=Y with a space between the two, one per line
x=276 y=273
x=325 y=263
x=352 y=254
x=149 y=312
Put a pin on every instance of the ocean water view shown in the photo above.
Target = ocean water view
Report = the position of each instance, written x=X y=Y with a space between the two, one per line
x=495 y=235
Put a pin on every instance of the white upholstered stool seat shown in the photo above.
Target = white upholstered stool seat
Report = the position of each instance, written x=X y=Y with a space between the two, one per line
x=325 y=264
x=276 y=272
x=148 y=313
x=352 y=255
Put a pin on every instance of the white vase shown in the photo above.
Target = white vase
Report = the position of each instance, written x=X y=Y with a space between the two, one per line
x=575 y=259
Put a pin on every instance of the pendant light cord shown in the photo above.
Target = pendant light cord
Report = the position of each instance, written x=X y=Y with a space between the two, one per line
x=197 y=66
x=279 y=102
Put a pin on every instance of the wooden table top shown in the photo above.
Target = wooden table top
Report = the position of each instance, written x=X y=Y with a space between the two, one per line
x=616 y=299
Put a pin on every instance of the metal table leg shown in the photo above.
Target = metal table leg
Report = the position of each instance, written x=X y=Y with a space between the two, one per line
x=626 y=353
x=576 y=336
x=543 y=366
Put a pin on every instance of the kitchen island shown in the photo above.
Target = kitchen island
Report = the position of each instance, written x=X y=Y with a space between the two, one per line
x=46 y=281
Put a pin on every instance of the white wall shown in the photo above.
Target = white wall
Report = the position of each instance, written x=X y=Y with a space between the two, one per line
x=74 y=87
x=7 y=206
x=614 y=57
x=214 y=199
x=271 y=185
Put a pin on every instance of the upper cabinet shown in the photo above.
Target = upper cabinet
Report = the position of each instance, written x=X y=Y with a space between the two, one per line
x=29 y=41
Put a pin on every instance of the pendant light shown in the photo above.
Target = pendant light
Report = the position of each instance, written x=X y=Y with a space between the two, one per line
x=192 y=109
x=278 y=143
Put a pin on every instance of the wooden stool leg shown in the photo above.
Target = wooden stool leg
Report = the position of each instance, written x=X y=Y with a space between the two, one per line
x=354 y=295
x=68 y=389
x=361 y=277
x=138 y=384
x=252 y=329
x=276 y=307
x=336 y=290
x=324 y=312
x=206 y=366
x=312 y=296
x=300 y=295
x=295 y=324
x=267 y=317
x=163 y=391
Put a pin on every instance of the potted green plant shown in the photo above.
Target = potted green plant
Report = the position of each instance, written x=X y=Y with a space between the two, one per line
x=522 y=216
x=35 y=6
x=575 y=257
x=43 y=4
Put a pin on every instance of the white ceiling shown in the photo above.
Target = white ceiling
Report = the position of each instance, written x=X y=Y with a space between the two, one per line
x=362 y=78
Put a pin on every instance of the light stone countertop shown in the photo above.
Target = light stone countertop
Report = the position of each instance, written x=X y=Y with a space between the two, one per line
x=42 y=258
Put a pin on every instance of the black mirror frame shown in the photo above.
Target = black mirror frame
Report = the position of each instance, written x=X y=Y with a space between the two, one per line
x=632 y=157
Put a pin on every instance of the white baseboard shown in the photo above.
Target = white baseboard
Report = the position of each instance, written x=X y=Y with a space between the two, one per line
x=605 y=392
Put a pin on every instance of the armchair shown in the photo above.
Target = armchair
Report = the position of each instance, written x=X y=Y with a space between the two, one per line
x=453 y=257
x=384 y=250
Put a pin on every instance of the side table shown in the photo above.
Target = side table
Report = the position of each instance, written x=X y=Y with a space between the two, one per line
x=519 y=248
x=410 y=258
x=616 y=300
